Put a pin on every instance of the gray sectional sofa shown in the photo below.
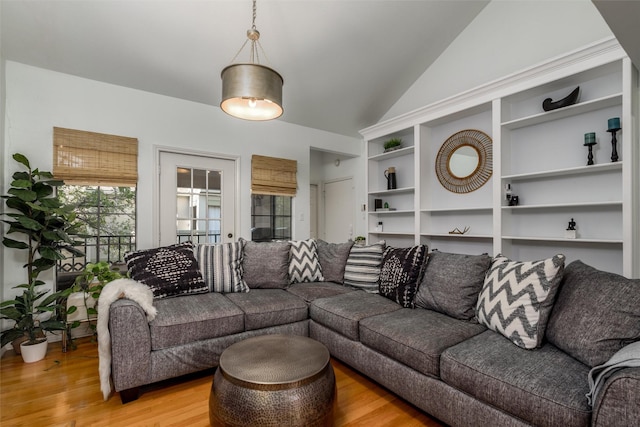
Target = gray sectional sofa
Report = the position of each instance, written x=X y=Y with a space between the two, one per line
x=433 y=339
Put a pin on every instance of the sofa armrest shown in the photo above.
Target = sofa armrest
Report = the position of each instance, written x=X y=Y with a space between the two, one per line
x=130 y=345
x=617 y=401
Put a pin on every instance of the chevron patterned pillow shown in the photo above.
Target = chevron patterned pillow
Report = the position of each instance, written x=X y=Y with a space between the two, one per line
x=517 y=297
x=304 y=265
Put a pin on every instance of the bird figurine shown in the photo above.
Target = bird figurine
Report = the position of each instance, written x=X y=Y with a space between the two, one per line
x=572 y=98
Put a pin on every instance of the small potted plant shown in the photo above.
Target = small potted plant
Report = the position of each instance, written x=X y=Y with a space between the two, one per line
x=360 y=240
x=46 y=226
x=392 y=144
x=82 y=302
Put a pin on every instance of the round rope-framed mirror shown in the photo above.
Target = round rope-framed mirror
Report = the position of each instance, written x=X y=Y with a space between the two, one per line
x=465 y=161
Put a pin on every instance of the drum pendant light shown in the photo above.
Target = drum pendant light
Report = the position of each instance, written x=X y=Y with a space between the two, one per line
x=251 y=91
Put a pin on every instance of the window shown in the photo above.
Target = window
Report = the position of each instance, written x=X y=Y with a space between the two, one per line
x=108 y=218
x=270 y=217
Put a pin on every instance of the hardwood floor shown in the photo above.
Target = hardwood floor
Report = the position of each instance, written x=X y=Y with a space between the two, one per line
x=63 y=390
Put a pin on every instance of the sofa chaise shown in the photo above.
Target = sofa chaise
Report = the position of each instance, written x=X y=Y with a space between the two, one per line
x=469 y=339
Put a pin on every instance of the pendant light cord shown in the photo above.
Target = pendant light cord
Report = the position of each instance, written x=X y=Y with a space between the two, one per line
x=254 y=57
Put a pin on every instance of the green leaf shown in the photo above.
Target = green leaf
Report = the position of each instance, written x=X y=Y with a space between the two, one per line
x=21 y=158
x=71 y=309
x=10 y=243
x=22 y=194
x=29 y=223
x=91 y=311
x=50 y=253
x=21 y=183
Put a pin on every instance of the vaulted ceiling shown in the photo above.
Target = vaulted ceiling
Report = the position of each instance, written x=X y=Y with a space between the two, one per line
x=344 y=63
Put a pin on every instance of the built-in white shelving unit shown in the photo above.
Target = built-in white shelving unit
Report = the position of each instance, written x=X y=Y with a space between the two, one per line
x=539 y=154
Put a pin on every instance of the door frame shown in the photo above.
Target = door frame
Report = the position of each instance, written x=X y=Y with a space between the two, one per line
x=157 y=150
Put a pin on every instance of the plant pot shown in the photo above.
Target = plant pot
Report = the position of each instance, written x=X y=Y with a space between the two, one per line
x=34 y=352
x=16 y=343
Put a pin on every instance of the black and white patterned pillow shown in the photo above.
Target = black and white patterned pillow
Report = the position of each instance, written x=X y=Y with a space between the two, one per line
x=169 y=271
x=304 y=265
x=401 y=273
x=221 y=266
x=363 y=266
x=517 y=297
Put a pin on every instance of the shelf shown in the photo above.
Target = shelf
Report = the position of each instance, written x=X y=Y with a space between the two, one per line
x=458 y=236
x=566 y=205
x=563 y=240
x=603 y=167
x=561 y=113
x=392 y=154
x=403 y=190
x=469 y=209
x=392 y=233
x=396 y=212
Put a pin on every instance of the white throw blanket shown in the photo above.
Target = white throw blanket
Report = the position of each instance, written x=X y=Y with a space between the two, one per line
x=626 y=357
x=121 y=288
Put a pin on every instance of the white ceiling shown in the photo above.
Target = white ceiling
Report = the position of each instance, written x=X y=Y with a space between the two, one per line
x=344 y=62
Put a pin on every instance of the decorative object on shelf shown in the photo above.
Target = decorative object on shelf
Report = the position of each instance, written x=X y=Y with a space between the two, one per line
x=458 y=231
x=570 y=232
x=377 y=204
x=379 y=227
x=392 y=144
x=613 y=127
x=390 y=174
x=590 y=141
x=572 y=98
x=465 y=161
x=508 y=194
x=514 y=200
x=386 y=209
x=360 y=240
x=386 y=205
x=251 y=91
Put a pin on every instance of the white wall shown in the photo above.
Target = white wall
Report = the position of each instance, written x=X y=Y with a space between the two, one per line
x=507 y=36
x=38 y=99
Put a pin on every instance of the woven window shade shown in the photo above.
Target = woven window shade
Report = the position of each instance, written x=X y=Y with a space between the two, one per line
x=89 y=158
x=273 y=176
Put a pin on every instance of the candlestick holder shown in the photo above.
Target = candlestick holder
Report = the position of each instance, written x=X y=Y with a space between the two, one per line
x=590 y=141
x=614 y=143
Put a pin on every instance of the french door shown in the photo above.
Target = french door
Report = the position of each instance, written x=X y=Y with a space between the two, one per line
x=196 y=199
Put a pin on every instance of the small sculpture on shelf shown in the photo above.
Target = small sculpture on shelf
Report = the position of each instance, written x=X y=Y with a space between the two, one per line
x=514 y=200
x=590 y=141
x=612 y=128
x=570 y=232
x=572 y=98
x=458 y=231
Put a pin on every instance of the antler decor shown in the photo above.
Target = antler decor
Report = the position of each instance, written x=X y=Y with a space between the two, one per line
x=457 y=230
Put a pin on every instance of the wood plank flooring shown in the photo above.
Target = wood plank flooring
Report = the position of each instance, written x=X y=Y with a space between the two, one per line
x=63 y=390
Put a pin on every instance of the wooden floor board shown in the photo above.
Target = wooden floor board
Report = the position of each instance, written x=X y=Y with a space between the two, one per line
x=63 y=390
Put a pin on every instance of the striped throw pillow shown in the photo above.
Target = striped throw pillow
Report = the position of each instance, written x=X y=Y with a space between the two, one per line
x=363 y=266
x=221 y=266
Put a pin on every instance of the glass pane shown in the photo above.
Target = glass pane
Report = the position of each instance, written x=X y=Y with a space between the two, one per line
x=214 y=181
x=199 y=180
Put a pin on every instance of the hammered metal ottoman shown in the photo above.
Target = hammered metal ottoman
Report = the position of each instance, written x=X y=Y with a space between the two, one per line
x=273 y=380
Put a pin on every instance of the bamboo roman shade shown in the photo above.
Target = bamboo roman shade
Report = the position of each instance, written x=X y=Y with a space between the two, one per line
x=89 y=158
x=273 y=176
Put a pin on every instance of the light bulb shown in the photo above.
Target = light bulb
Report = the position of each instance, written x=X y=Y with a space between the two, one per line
x=252 y=102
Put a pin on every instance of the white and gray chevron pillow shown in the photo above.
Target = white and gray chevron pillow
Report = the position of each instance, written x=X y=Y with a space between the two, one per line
x=517 y=297
x=304 y=265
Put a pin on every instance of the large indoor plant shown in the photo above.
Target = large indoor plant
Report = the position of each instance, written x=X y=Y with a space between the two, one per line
x=45 y=227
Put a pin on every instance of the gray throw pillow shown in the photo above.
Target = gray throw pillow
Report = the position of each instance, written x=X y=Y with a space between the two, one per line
x=266 y=264
x=452 y=282
x=596 y=314
x=333 y=259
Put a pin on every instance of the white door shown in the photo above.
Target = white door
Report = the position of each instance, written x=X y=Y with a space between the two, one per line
x=339 y=210
x=196 y=199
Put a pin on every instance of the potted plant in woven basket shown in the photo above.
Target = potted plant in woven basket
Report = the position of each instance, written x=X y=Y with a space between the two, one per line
x=45 y=227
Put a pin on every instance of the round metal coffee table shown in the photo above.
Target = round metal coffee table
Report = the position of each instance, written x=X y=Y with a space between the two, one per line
x=273 y=380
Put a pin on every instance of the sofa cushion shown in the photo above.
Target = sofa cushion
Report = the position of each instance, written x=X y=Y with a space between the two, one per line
x=517 y=297
x=191 y=318
x=401 y=273
x=169 y=270
x=266 y=264
x=312 y=291
x=595 y=315
x=333 y=259
x=269 y=307
x=362 y=270
x=221 y=266
x=303 y=262
x=543 y=387
x=342 y=313
x=416 y=338
x=452 y=282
